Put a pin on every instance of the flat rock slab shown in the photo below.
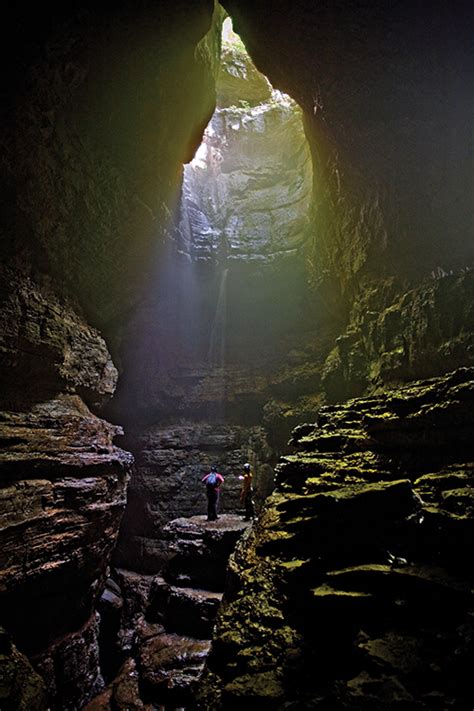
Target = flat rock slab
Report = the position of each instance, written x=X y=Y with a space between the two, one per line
x=197 y=525
x=184 y=610
x=202 y=549
x=171 y=666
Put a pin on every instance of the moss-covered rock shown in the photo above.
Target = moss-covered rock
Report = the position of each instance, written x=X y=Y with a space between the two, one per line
x=396 y=334
x=353 y=590
x=21 y=688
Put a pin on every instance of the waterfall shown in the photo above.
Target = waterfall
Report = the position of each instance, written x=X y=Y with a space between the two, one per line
x=217 y=342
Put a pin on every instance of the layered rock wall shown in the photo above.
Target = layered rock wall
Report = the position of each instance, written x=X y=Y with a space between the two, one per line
x=46 y=347
x=354 y=590
x=62 y=497
x=396 y=335
x=103 y=110
x=99 y=110
x=381 y=92
x=170 y=465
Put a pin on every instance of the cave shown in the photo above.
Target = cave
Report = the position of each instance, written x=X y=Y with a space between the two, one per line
x=223 y=247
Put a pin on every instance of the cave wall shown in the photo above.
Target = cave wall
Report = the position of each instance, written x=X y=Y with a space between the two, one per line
x=354 y=589
x=101 y=111
x=100 y=107
x=388 y=117
x=386 y=101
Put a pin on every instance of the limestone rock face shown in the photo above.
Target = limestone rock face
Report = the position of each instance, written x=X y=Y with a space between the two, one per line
x=166 y=621
x=396 y=335
x=103 y=108
x=62 y=498
x=71 y=667
x=354 y=591
x=239 y=82
x=124 y=693
x=247 y=193
x=47 y=348
x=393 y=182
x=200 y=550
x=21 y=688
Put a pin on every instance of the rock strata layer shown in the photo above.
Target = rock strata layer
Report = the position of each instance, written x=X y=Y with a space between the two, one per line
x=46 y=347
x=166 y=484
x=354 y=591
x=62 y=497
x=166 y=621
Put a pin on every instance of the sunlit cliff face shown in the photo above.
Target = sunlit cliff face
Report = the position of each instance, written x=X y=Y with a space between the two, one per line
x=247 y=192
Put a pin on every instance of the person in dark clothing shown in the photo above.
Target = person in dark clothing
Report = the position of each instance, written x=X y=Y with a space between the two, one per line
x=213 y=482
x=246 y=493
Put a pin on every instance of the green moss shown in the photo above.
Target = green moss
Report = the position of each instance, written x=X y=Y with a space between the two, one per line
x=21 y=688
x=256 y=687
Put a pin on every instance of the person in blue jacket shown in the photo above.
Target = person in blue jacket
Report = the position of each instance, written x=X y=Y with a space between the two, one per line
x=213 y=482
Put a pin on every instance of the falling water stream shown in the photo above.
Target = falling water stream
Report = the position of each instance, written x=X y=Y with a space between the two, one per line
x=217 y=342
x=217 y=351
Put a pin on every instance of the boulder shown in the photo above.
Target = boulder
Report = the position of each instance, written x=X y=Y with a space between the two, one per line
x=21 y=687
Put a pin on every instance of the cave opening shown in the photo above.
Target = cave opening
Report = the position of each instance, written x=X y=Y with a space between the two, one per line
x=245 y=210
x=221 y=353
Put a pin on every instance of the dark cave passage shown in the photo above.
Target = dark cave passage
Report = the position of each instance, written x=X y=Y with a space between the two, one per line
x=299 y=298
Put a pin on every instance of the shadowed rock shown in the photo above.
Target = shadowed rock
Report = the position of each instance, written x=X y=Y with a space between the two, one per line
x=359 y=565
x=62 y=496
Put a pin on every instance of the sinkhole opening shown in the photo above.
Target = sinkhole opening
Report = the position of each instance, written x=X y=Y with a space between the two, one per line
x=245 y=219
x=247 y=192
x=229 y=308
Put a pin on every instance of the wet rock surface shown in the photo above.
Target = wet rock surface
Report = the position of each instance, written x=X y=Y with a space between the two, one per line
x=396 y=335
x=167 y=620
x=46 y=347
x=200 y=550
x=70 y=667
x=21 y=688
x=62 y=497
x=359 y=566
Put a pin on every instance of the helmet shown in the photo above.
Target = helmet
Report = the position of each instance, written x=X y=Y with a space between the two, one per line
x=213 y=468
x=247 y=466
